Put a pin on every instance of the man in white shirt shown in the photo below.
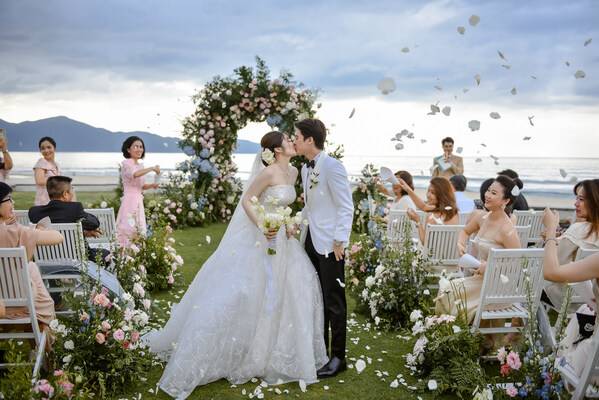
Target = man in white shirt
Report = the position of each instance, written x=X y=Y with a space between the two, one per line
x=465 y=204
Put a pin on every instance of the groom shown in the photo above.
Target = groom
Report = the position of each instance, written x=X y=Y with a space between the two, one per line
x=329 y=211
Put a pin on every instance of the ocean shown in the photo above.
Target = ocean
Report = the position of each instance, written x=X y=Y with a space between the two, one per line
x=541 y=176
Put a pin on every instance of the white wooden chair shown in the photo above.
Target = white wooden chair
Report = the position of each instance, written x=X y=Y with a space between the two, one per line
x=395 y=226
x=590 y=371
x=441 y=245
x=504 y=284
x=523 y=234
x=15 y=291
x=535 y=220
x=22 y=217
x=463 y=218
x=107 y=226
x=584 y=253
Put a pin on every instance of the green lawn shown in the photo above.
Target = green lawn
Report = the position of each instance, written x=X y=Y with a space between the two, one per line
x=384 y=349
x=24 y=200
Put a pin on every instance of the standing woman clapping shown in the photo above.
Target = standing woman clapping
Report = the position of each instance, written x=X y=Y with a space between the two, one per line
x=45 y=167
x=131 y=219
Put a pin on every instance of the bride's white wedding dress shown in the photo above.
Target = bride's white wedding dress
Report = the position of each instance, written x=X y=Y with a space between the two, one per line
x=246 y=314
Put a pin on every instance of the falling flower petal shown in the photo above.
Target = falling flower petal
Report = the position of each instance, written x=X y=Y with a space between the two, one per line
x=506 y=66
x=340 y=283
x=563 y=172
x=360 y=366
x=351 y=114
x=434 y=109
x=302 y=385
x=394 y=384
x=432 y=385
x=533 y=77
x=477 y=79
x=386 y=85
x=405 y=50
x=465 y=90
x=461 y=30
x=495 y=115
x=439 y=88
x=501 y=55
x=474 y=20
x=526 y=138
x=504 y=279
x=474 y=125
x=493 y=157
x=530 y=120
x=580 y=74
x=514 y=91
x=165 y=144
x=478 y=160
x=567 y=63
x=422 y=140
x=208 y=239
x=587 y=42
x=399 y=146
x=484 y=145
x=446 y=110
x=459 y=150
x=573 y=179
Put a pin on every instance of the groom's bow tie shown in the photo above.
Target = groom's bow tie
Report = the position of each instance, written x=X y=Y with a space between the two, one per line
x=310 y=164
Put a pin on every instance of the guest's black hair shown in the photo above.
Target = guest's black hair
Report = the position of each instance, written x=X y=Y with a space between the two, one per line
x=46 y=139
x=5 y=190
x=459 y=182
x=447 y=140
x=315 y=129
x=514 y=175
x=57 y=185
x=129 y=142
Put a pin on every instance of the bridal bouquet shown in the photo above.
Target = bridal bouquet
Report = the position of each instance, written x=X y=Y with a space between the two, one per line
x=274 y=218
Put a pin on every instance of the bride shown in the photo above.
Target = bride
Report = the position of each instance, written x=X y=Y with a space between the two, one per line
x=247 y=313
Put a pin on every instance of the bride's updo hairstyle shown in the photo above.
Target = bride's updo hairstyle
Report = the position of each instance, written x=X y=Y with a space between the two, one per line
x=508 y=185
x=271 y=141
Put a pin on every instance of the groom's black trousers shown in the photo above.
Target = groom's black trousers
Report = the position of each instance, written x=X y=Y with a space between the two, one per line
x=335 y=307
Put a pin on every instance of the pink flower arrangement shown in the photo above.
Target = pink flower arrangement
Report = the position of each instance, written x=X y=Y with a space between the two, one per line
x=106 y=326
x=505 y=370
x=101 y=300
x=511 y=391
x=171 y=280
x=134 y=336
x=513 y=360
x=43 y=386
x=118 y=335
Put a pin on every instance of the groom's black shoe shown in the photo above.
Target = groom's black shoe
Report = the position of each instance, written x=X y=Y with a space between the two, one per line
x=332 y=368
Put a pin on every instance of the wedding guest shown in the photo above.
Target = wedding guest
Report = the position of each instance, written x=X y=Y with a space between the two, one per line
x=583 y=234
x=14 y=235
x=402 y=200
x=440 y=204
x=577 y=343
x=465 y=203
x=6 y=163
x=447 y=164
x=494 y=230
x=45 y=167
x=520 y=204
x=480 y=203
x=131 y=218
x=63 y=209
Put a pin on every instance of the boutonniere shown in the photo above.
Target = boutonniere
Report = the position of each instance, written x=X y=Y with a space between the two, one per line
x=314 y=179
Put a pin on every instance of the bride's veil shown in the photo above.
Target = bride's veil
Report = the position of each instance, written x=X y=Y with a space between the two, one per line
x=240 y=221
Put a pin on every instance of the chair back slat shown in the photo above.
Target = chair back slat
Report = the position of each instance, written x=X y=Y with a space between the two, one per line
x=14 y=277
x=463 y=218
x=22 y=217
x=522 y=217
x=536 y=227
x=523 y=235
x=395 y=225
x=441 y=243
x=584 y=253
x=70 y=252
x=107 y=224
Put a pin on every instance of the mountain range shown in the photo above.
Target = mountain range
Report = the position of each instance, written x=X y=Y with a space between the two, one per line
x=75 y=136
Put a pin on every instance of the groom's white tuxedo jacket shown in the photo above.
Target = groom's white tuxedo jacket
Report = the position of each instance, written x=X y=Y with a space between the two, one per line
x=328 y=203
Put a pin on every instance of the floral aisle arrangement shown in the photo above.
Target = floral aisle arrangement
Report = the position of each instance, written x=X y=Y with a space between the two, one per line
x=223 y=107
x=530 y=370
x=101 y=342
x=132 y=276
x=445 y=354
x=368 y=200
x=398 y=284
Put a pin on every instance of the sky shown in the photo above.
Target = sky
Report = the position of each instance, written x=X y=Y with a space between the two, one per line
x=118 y=64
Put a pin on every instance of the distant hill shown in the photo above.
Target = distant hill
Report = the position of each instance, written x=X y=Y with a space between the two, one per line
x=75 y=136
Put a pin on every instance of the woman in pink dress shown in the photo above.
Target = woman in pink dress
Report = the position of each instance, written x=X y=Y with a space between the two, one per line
x=131 y=219
x=45 y=168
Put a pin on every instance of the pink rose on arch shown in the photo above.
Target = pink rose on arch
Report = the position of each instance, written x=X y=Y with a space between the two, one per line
x=106 y=325
x=118 y=335
x=100 y=338
x=513 y=360
x=511 y=391
x=101 y=300
x=134 y=336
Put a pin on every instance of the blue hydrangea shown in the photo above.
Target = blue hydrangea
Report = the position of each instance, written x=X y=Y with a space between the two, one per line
x=215 y=172
x=205 y=153
x=189 y=151
x=196 y=162
x=273 y=120
x=522 y=392
x=205 y=165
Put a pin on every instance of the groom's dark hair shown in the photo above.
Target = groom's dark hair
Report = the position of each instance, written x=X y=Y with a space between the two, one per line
x=314 y=128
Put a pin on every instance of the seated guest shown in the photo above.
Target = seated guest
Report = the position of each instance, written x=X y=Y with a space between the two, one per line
x=480 y=203
x=440 y=204
x=494 y=230
x=6 y=163
x=465 y=203
x=577 y=343
x=62 y=209
x=520 y=204
x=402 y=200
x=583 y=234
x=14 y=235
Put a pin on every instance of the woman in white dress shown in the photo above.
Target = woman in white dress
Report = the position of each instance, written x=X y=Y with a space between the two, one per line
x=247 y=313
x=576 y=346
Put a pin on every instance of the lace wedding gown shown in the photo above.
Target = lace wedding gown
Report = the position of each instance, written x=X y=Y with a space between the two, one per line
x=246 y=314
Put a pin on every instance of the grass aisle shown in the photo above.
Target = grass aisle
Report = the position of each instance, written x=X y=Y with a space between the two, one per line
x=384 y=350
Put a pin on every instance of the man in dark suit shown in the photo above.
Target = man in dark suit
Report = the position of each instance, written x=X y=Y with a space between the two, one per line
x=62 y=209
